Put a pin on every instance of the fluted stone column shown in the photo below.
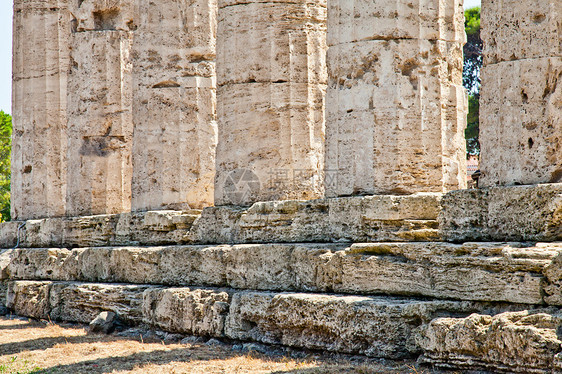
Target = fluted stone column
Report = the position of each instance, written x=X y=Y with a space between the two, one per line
x=395 y=105
x=100 y=108
x=521 y=96
x=271 y=83
x=175 y=131
x=40 y=68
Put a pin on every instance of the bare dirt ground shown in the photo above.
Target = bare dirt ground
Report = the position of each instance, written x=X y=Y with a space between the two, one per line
x=28 y=346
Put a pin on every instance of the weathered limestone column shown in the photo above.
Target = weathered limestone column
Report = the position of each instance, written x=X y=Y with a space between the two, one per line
x=40 y=66
x=174 y=101
x=271 y=82
x=521 y=96
x=100 y=108
x=395 y=105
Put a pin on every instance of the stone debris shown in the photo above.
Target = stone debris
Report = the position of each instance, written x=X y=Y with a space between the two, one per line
x=105 y=323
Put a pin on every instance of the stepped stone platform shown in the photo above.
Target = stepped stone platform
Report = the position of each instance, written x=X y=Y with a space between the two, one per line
x=383 y=276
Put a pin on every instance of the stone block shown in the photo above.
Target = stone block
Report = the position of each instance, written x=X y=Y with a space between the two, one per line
x=200 y=312
x=361 y=20
x=270 y=142
x=100 y=123
x=75 y=302
x=39 y=101
x=395 y=118
x=515 y=30
x=373 y=326
x=511 y=342
x=519 y=128
x=252 y=48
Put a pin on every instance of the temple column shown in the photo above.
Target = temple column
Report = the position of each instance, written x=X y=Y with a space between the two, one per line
x=521 y=95
x=395 y=105
x=174 y=101
x=40 y=68
x=271 y=82
x=100 y=108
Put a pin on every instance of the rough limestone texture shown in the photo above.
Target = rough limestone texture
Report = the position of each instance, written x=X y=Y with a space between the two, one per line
x=271 y=82
x=473 y=271
x=351 y=219
x=200 y=312
x=174 y=105
x=77 y=302
x=512 y=342
x=353 y=20
x=41 y=65
x=517 y=213
x=100 y=125
x=374 y=326
x=146 y=228
x=513 y=30
x=395 y=117
x=520 y=128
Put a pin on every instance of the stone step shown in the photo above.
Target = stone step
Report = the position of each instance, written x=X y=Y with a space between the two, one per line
x=516 y=213
x=378 y=326
x=498 y=272
x=346 y=219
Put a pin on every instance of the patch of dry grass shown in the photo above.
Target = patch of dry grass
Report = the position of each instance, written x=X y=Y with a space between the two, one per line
x=38 y=347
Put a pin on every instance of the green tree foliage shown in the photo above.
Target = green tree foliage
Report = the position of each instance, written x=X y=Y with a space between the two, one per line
x=5 y=151
x=471 y=77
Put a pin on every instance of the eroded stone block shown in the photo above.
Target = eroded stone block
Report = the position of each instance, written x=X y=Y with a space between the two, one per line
x=200 y=312
x=374 y=326
x=360 y=20
x=395 y=118
x=514 y=30
x=514 y=342
x=520 y=127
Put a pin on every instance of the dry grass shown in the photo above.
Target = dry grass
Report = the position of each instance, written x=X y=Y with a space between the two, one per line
x=41 y=347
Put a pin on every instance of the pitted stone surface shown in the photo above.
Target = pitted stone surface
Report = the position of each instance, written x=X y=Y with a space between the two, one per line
x=199 y=312
x=520 y=128
x=174 y=105
x=513 y=30
x=374 y=326
x=473 y=271
x=395 y=117
x=271 y=83
x=512 y=342
x=353 y=20
x=76 y=302
x=41 y=59
x=516 y=213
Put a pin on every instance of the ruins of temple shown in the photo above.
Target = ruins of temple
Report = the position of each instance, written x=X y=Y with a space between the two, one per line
x=291 y=173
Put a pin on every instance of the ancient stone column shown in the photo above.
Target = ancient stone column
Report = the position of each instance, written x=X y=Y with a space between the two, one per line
x=100 y=123
x=174 y=101
x=395 y=105
x=521 y=96
x=271 y=82
x=40 y=67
